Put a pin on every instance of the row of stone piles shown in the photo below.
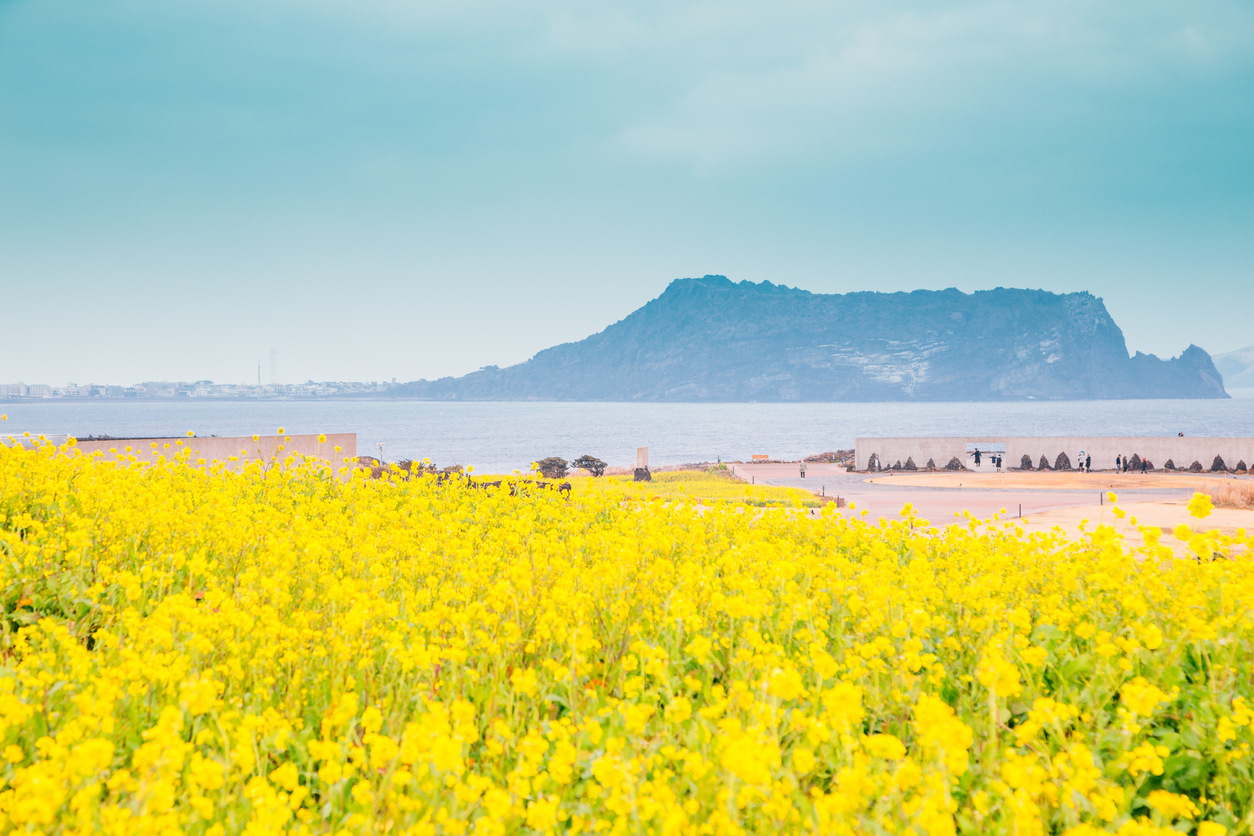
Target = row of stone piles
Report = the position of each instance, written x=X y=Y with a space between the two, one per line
x=875 y=466
x=1062 y=462
x=1216 y=466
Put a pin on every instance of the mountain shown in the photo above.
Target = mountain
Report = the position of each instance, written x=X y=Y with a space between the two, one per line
x=711 y=339
x=1237 y=367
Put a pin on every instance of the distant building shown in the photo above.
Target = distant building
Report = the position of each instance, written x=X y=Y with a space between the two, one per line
x=21 y=390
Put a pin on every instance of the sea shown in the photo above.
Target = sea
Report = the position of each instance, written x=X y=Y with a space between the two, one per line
x=502 y=437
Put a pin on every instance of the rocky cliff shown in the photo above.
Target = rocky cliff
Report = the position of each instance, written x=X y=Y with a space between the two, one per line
x=711 y=339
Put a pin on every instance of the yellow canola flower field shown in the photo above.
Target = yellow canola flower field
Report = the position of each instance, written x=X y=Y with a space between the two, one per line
x=189 y=650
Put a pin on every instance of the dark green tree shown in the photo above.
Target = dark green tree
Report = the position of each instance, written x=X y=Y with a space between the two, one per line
x=590 y=463
x=552 y=468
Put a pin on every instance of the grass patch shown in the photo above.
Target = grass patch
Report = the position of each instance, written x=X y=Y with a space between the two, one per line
x=707 y=487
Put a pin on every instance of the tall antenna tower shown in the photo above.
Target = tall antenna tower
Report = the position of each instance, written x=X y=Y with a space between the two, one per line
x=274 y=367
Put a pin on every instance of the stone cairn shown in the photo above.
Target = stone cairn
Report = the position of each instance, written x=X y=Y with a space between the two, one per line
x=1063 y=462
x=897 y=465
x=1170 y=465
x=1025 y=463
x=909 y=465
x=954 y=464
x=1241 y=468
x=1136 y=462
x=1044 y=463
x=1196 y=467
x=1218 y=466
x=931 y=465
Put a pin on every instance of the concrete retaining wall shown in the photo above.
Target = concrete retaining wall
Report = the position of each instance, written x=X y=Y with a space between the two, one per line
x=244 y=448
x=1181 y=451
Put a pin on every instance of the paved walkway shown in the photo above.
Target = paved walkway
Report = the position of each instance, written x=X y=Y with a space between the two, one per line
x=938 y=505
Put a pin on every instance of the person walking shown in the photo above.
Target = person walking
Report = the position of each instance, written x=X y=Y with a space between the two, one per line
x=1144 y=467
x=977 y=456
x=803 y=470
x=1118 y=463
x=1088 y=463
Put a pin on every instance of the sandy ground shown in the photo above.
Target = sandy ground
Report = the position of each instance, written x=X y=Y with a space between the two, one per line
x=1164 y=515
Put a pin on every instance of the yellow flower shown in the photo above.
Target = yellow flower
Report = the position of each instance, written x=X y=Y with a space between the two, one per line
x=699 y=648
x=679 y=710
x=524 y=681
x=998 y=675
x=1172 y=806
x=542 y=814
x=1140 y=697
x=803 y=761
x=200 y=696
x=286 y=776
x=205 y=773
x=1200 y=505
x=884 y=746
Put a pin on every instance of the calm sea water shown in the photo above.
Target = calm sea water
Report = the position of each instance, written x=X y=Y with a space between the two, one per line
x=499 y=437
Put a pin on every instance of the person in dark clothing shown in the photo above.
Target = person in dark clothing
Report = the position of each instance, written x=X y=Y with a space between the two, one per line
x=977 y=458
x=1118 y=463
x=1144 y=466
x=1088 y=463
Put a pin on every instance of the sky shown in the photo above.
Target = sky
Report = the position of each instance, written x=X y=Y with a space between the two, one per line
x=385 y=189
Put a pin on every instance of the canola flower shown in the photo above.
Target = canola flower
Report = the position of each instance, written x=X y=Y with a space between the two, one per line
x=296 y=650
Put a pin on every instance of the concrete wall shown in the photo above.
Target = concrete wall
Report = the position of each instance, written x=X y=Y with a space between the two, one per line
x=1181 y=451
x=266 y=448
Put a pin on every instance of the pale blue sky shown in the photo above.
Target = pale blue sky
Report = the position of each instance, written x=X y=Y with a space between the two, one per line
x=410 y=189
